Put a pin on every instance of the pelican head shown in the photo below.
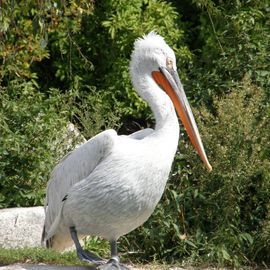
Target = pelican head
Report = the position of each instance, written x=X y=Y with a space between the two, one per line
x=153 y=58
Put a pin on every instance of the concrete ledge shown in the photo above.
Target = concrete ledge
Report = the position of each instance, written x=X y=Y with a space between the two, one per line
x=21 y=227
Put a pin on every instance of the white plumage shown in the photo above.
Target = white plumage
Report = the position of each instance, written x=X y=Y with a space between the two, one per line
x=111 y=184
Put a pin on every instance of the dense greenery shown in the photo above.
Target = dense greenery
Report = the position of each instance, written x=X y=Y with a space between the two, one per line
x=27 y=117
x=67 y=62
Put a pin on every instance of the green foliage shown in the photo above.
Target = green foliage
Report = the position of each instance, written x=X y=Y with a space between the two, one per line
x=33 y=136
x=217 y=217
x=235 y=40
x=115 y=25
x=37 y=256
x=19 y=46
x=27 y=28
x=99 y=246
x=94 y=113
x=238 y=145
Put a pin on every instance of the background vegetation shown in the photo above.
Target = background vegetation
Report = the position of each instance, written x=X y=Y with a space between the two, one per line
x=67 y=62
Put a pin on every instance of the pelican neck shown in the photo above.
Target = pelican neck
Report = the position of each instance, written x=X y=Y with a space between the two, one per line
x=160 y=104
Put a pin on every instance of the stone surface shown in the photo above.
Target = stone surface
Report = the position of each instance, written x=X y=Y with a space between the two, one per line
x=21 y=227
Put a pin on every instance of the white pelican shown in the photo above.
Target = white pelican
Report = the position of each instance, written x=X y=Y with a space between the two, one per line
x=111 y=184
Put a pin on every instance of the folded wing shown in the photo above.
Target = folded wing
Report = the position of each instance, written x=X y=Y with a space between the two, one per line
x=73 y=168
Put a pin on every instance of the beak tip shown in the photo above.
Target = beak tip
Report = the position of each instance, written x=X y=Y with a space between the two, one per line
x=209 y=167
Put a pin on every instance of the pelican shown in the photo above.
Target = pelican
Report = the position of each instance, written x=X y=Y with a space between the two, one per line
x=111 y=184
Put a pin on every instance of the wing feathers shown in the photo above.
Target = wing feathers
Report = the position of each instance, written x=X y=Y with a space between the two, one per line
x=73 y=168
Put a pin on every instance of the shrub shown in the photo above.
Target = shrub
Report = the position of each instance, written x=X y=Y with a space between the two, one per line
x=32 y=131
x=30 y=31
x=93 y=113
x=115 y=25
x=238 y=144
x=233 y=41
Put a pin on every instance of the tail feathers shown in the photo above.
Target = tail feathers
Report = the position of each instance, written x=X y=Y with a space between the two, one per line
x=49 y=243
x=58 y=242
x=44 y=241
x=43 y=237
x=61 y=242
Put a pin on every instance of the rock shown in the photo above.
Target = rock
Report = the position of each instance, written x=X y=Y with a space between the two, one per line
x=21 y=227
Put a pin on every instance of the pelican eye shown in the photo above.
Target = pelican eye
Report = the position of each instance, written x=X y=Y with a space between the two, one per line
x=169 y=63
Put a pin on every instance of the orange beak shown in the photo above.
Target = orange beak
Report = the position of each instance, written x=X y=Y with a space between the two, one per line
x=169 y=80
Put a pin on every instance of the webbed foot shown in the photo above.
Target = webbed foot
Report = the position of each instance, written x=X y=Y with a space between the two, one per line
x=89 y=257
x=112 y=264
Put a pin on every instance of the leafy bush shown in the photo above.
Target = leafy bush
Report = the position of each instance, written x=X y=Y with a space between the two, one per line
x=219 y=216
x=30 y=31
x=34 y=135
x=93 y=113
x=115 y=25
x=238 y=142
x=234 y=41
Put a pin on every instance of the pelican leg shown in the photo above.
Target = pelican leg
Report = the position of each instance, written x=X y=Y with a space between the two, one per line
x=114 y=252
x=83 y=254
x=114 y=262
